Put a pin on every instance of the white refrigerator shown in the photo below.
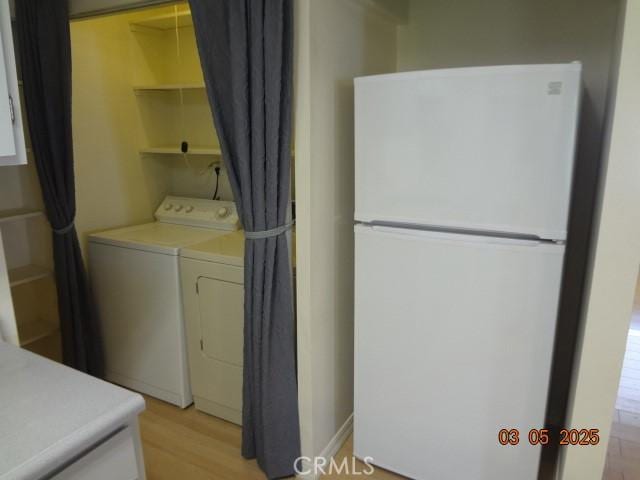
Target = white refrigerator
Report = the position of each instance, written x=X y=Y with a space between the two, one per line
x=463 y=180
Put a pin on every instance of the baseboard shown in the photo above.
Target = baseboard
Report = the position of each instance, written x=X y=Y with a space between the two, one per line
x=182 y=400
x=331 y=449
x=338 y=439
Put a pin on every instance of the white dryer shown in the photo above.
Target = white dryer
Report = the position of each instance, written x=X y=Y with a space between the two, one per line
x=136 y=284
x=213 y=287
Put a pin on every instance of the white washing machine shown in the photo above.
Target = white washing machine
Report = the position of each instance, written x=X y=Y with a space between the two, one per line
x=212 y=275
x=136 y=284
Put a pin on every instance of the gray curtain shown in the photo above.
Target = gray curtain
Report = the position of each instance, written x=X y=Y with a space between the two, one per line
x=45 y=56
x=246 y=50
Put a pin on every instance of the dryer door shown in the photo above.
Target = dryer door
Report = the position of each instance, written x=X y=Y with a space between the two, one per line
x=213 y=299
x=221 y=319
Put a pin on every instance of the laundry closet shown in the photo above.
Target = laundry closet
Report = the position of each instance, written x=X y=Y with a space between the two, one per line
x=156 y=216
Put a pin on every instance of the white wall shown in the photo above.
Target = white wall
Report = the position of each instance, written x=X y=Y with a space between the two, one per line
x=615 y=266
x=336 y=40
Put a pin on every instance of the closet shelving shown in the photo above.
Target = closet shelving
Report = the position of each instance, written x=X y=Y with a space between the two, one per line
x=169 y=87
x=27 y=244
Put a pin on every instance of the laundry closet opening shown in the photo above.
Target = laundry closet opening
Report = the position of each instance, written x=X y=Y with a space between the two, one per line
x=156 y=217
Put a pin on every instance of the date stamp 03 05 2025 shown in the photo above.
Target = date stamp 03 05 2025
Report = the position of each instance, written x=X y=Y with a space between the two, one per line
x=572 y=436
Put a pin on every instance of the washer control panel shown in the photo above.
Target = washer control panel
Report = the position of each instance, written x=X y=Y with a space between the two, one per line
x=198 y=212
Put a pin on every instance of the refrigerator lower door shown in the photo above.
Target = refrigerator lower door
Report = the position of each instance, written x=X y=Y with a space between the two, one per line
x=453 y=342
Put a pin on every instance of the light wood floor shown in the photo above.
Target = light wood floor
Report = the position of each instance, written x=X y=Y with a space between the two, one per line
x=191 y=445
x=623 y=454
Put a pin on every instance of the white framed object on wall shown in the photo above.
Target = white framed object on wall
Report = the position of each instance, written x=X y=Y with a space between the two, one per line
x=13 y=149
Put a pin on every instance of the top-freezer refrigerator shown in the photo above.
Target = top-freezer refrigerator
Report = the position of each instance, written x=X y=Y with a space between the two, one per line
x=463 y=181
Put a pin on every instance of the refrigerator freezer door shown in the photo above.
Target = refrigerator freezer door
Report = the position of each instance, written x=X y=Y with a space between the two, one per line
x=453 y=342
x=486 y=148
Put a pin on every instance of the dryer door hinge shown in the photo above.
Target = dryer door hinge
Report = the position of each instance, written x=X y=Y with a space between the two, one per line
x=197 y=289
x=201 y=345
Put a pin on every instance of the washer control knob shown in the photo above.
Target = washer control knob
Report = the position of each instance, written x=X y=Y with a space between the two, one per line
x=168 y=206
x=178 y=208
x=223 y=212
x=189 y=209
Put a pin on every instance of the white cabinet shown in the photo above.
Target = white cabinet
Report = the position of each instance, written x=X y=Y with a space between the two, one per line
x=12 y=144
x=118 y=457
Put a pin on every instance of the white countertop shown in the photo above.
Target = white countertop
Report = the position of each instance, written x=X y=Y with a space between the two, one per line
x=50 y=413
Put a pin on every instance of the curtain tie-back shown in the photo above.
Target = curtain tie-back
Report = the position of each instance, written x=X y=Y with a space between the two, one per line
x=274 y=232
x=63 y=230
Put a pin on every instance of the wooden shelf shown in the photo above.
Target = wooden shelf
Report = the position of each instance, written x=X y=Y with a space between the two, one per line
x=168 y=87
x=26 y=274
x=213 y=151
x=33 y=331
x=166 y=21
x=18 y=214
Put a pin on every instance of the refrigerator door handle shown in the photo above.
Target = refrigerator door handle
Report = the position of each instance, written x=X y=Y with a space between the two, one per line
x=471 y=237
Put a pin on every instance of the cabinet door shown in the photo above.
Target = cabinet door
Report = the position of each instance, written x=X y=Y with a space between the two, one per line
x=12 y=144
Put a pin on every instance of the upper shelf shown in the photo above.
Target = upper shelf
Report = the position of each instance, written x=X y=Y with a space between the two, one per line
x=31 y=332
x=18 y=214
x=176 y=151
x=166 y=21
x=27 y=273
x=167 y=87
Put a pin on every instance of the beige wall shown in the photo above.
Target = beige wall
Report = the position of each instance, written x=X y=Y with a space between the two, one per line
x=114 y=185
x=615 y=266
x=337 y=40
x=455 y=33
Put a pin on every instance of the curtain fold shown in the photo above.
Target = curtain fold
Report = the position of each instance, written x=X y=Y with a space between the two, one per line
x=45 y=57
x=246 y=53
